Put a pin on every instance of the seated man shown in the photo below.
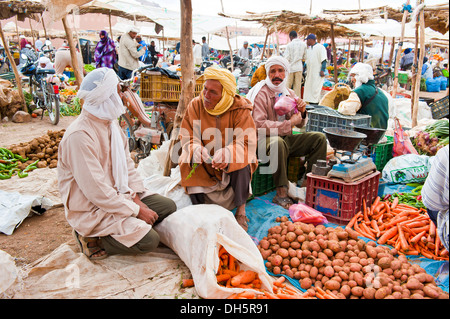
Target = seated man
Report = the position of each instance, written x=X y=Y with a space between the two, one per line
x=366 y=98
x=218 y=140
x=278 y=129
x=104 y=197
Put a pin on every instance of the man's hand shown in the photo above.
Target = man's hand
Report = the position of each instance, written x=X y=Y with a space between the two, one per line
x=322 y=74
x=296 y=119
x=201 y=155
x=301 y=105
x=146 y=214
x=221 y=159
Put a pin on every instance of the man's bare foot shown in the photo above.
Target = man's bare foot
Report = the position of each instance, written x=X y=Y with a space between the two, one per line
x=241 y=218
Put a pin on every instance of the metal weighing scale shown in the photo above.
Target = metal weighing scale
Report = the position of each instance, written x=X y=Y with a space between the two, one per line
x=351 y=164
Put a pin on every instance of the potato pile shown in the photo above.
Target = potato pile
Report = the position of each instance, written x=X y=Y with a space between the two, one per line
x=44 y=149
x=335 y=260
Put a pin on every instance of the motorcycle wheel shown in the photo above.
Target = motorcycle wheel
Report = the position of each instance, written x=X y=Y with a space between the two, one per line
x=53 y=108
x=128 y=130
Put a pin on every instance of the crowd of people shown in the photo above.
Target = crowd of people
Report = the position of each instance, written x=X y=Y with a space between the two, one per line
x=106 y=203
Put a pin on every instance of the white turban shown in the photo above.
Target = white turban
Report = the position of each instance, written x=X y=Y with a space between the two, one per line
x=46 y=61
x=281 y=88
x=363 y=72
x=277 y=60
x=99 y=92
x=131 y=28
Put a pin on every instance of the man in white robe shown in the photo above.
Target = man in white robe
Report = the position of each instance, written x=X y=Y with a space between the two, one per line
x=316 y=62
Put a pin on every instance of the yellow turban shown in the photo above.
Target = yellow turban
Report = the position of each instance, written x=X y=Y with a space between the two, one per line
x=229 y=88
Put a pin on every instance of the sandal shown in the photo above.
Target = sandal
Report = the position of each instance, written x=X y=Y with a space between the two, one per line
x=284 y=202
x=242 y=221
x=89 y=250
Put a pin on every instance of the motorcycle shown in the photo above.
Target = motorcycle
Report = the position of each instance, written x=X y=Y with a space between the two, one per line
x=45 y=94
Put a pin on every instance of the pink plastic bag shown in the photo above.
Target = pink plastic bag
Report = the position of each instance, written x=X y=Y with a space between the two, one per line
x=285 y=105
x=402 y=142
x=303 y=213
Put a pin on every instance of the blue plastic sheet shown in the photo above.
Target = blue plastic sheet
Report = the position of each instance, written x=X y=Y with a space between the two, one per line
x=262 y=213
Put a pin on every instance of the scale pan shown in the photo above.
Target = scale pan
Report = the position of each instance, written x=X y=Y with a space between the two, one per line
x=342 y=139
x=373 y=134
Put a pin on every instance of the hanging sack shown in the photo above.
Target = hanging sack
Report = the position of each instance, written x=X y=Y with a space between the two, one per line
x=402 y=142
x=339 y=93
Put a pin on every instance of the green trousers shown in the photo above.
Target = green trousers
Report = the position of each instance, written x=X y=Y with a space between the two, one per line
x=311 y=145
x=163 y=206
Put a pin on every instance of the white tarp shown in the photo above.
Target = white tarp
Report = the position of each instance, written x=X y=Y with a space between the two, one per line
x=389 y=29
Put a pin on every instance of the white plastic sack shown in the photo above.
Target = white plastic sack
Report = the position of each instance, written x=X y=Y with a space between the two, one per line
x=402 y=110
x=297 y=193
x=168 y=186
x=408 y=168
x=8 y=271
x=14 y=208
x=196 y=233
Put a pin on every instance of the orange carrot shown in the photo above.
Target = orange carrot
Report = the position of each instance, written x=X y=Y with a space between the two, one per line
x=401 y=237
x=271 y=295
x=223 y=277
x=366 y=217
x=187 y=283
x=394 y=203
x=374 y=225
x=416 y=238
x=244 y=277
x=438 y=243
x=232 y=273
x=374 y=205
x=353 y=220
x=247 y=294
x=231 y=261
x=432 y=231
x=388 y=234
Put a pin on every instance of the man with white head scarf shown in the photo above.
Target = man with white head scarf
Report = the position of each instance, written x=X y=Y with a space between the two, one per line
x=104 y=197
x=366 y=98
x=277 y=130
x=128 y=53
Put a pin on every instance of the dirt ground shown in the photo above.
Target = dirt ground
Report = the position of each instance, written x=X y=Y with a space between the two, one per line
x=37 y=236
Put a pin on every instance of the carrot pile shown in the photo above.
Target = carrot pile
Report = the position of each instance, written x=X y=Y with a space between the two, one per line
x=230 y=275
x=408 y=229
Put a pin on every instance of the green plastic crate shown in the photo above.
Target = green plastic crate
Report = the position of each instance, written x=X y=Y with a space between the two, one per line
x=261 y=183
x=382 y=153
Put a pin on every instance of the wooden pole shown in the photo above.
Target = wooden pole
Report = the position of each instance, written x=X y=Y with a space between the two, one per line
x=391 y=54
x=415 y=104
x=73 y=52
x=276 y=36
x=399 y=52
x=348 y=53
x=333 y=44
x=43 y=25
x=32 y=32
x=188 y=81
x=382 y=50
x=228 y=40
x=13 y=65
x=110 y=25
x=265 y=43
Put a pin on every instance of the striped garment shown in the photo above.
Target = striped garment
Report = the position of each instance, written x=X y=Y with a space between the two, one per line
x=435 y=192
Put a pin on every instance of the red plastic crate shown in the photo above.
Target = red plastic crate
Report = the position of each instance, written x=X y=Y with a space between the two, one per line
x=340 y=201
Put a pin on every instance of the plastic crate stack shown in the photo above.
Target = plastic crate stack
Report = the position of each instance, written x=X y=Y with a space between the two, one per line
x=319 y=119
x=439 y=109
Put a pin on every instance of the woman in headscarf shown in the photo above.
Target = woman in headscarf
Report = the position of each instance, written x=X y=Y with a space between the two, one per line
x=104 y=197
x=105 y=52
x=218 y=138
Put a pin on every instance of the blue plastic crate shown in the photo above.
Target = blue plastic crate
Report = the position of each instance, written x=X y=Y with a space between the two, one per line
x=319 y=119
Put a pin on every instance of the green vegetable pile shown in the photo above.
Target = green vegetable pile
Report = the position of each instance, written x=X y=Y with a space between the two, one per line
x=413 y=198
x=71 y=109
x=9 y=162
x=89 y=67
x=432 y=138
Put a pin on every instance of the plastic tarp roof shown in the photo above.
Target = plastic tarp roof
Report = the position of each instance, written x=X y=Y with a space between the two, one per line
x=390 y=28
x=171 y=20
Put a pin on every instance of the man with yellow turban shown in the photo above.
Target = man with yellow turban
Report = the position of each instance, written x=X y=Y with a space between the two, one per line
x=218 y=140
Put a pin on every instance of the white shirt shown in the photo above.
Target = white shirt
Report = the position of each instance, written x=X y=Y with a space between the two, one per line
x=295 y=54
x=197 y=54
x=244 y=53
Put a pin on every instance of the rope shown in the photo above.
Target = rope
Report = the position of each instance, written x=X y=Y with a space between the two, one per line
x=407 y=7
